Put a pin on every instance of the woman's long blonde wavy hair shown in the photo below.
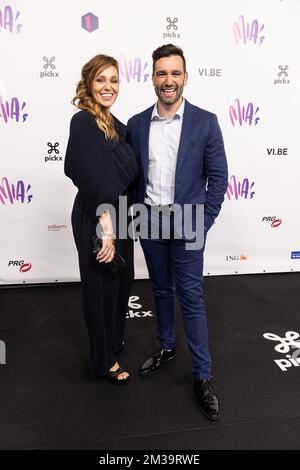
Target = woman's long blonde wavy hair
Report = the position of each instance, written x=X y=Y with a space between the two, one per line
x=84 y=98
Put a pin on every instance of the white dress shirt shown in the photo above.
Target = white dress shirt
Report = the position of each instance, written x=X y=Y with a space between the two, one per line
x=164 y=141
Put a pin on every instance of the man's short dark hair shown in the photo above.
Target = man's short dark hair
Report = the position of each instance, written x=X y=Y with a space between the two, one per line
x=166 y=51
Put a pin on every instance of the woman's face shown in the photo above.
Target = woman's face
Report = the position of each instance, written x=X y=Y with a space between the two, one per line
x=105 y=86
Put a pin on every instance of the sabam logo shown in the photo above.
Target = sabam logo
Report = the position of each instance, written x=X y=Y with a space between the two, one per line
x=240 y=189
x=236 y=258
x=282 y=72
x=250 y=32
x=13 y=109
x=295 y=255
x=14 y=192
x=286 y=343
x=53 y=149
x=133 y=305
x=56 y=228
x=49 y=64
x=279 y=151
x=9 y=20
x=133 y=70
x=23 y=267
x=205 y=72
x=2 y=352
x=89 y=22
x=273 y=220
x=243 y=114
x=171 y=24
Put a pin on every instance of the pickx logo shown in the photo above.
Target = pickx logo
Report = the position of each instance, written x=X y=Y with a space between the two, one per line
x=53 y=153
x=48 y=68
x=286 y=344
x=136 y=306
x=272 y=220
x=209 y=72
x=282 y=75
x=171 y=25
x=23 y=267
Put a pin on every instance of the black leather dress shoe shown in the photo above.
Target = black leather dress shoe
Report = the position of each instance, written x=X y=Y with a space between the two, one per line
x=154 y=362
x=208 y=401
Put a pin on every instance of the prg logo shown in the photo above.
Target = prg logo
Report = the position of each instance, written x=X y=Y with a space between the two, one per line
x=23 y=267
x=272 y=220
x=2 y=352
x=285 y=344
x=90 y=22
x=49 y=65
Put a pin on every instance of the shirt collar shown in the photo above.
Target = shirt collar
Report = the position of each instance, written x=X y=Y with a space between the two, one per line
x=178 y=115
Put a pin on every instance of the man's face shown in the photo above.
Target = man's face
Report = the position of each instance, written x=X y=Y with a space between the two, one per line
x=169 y=79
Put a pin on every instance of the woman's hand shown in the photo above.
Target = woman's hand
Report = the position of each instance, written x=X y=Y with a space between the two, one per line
x=108 y=250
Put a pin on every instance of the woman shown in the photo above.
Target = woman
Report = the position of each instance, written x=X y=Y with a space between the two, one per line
x=102 y=166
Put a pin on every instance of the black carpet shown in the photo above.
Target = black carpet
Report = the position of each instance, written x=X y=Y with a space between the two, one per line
x=47 y=402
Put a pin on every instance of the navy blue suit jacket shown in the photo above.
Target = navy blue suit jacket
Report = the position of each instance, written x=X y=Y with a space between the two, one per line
x=201 y=170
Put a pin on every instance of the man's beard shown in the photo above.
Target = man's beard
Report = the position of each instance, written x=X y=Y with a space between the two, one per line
x=169 y=101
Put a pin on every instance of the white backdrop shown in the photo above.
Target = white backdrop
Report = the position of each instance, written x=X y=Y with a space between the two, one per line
x=239 y=53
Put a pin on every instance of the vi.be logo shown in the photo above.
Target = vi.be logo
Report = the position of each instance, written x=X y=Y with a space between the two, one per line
x=286 y=345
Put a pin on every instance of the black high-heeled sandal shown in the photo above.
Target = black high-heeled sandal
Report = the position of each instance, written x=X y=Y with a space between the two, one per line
x=113 y=375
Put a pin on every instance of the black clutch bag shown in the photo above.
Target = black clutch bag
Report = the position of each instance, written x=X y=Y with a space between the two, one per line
x=116 y=265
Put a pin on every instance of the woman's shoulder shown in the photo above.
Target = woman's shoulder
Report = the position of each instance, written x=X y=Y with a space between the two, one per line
x=81 y=116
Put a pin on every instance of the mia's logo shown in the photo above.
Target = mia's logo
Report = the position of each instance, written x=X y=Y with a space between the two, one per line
x=246 y=32
x=15 y=192
x=49 y=66
x=13 y=109
x=243 y=113
x=286 y=343
x=240 y=189
x=2 y=352
x=53 y=151
x=9 y=20
x=133 y=69
x=282 y=75
x=133 y=305
x=171 y=24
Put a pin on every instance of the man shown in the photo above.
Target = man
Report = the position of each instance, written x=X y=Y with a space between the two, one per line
x=182 y=161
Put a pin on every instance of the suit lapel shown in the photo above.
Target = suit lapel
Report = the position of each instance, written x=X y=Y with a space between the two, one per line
x=144 y=133
x=185 y=137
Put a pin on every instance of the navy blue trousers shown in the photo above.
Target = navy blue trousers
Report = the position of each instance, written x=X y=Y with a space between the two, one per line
x=173 y=269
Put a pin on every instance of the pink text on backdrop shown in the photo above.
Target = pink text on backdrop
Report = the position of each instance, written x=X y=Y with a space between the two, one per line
x=243 y=114
x=239 y=189
x=12 y=109
x=249 y=32
x=10 y=192
x=9 y=20
x=133 y=70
